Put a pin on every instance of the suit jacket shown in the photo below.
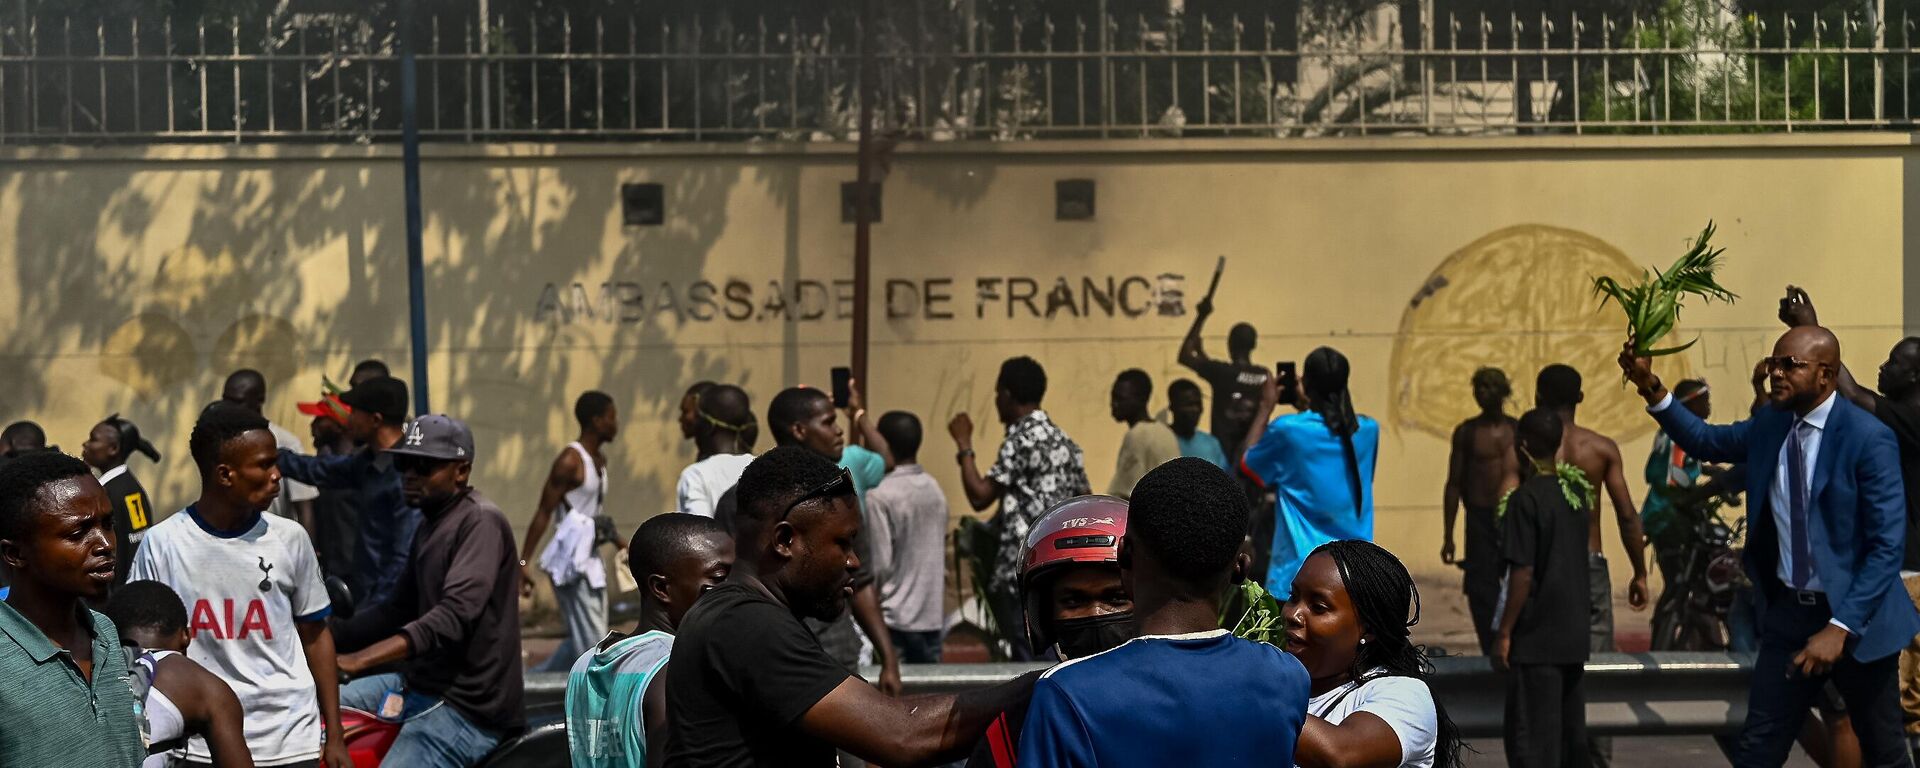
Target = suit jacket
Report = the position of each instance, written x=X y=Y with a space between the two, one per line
x=1857 y=514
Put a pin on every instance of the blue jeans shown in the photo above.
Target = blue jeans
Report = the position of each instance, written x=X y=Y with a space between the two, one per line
x=916 y=647
x=431 y=734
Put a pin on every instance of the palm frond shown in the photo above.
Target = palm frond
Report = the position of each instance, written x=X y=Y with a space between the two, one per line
x=1653 y=304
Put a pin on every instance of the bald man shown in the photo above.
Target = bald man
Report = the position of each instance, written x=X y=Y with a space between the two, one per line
x=1825 y=536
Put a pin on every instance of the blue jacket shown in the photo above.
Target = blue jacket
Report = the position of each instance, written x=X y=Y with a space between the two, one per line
x=1859 y=515
x=387 y=523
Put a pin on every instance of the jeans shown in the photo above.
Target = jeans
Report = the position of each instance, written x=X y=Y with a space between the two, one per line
x=432 y=734
x=916 y=647
x=1012 y=619
x=583 y=610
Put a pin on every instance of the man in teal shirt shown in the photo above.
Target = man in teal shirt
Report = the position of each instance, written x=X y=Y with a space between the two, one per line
x=65 y=700
x=1185 y=402
x=616 y=701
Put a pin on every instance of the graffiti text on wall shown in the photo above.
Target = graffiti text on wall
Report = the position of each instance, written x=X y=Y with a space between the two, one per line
x=936 y=298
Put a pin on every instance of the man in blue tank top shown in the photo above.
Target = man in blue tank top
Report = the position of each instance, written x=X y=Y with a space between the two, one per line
x=616 y=705
x=1184 y=692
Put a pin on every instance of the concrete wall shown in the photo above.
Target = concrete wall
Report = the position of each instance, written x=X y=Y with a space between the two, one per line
x=135 y=279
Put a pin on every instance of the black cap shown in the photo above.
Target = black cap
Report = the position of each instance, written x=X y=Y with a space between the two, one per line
x=386 y=396
x=436 y=436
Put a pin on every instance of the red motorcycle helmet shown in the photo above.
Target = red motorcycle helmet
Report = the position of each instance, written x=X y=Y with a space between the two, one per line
x=1083 y=529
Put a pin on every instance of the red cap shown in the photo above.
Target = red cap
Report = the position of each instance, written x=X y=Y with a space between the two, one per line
x=328 y=406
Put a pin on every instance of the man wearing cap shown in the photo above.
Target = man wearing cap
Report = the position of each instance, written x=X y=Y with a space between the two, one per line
x=454 y=623
x=377 y=421
x=336 y=511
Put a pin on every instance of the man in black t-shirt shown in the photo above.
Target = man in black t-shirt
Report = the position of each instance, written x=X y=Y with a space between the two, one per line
x=1543 y=625
x=1896 y=405
x=1236 y=382
x=749 y=685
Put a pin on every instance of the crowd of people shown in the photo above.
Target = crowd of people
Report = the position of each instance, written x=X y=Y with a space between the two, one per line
x=216 y=635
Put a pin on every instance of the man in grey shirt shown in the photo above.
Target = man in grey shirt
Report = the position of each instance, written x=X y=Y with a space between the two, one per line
x=907 y=534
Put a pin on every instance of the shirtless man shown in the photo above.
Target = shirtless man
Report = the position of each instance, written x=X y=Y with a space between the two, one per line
x=1596 y=455
x=1483 y=468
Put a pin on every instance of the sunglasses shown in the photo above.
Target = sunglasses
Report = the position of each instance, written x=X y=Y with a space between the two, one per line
x=418 y=465
x=840 y=485
x=1786 y=363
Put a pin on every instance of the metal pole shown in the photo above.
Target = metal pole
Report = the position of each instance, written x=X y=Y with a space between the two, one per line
x=410 y=158
x=863 y=197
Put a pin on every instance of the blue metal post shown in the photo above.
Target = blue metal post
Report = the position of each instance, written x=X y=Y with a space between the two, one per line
x=410 y=157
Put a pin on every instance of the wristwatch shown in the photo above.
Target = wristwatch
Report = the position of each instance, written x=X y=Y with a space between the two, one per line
x=963 y=455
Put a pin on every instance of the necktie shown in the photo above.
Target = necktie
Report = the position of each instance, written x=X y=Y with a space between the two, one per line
x=1797 y=507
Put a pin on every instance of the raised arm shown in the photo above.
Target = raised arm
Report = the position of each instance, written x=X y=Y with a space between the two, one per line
x=1631 y=536
x=1450 y=496
x=1192 y=354
x=1706 y=442
x=918 y=730
x=863 y=433
x=567 y=474
x=1796 y=310
x=981 y=491
x=318 y=471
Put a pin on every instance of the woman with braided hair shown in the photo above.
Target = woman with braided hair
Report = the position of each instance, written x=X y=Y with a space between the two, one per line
x=108 y=447
x=1318 y=462
x=1348 y=623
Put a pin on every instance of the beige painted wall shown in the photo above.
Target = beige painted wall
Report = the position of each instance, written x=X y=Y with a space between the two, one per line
x=135 y=279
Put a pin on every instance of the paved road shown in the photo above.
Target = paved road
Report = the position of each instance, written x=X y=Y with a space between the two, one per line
x=1639 y=752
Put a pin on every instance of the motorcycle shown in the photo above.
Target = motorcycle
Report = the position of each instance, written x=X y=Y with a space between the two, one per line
x=368 y=737
x=1692 y=612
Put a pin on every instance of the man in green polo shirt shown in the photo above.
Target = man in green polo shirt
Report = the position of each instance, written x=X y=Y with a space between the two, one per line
x=66 y=699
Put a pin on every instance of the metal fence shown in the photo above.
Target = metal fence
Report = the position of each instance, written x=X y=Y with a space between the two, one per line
x=1381 y=69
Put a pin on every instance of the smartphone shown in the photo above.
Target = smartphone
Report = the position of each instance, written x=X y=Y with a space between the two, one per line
x=842 y=387
x=1289 y=378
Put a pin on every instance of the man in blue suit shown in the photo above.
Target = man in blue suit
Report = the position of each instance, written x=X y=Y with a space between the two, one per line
x=1826 y=532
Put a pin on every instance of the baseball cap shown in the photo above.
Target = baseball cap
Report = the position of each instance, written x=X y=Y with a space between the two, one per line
x=436 y=436
x=386 y=396
x=329 y=406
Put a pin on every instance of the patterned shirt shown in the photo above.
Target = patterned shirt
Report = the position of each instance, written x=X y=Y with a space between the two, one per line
x=1038 y=466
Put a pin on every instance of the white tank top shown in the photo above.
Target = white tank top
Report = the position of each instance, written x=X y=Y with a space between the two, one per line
x=587 y=498
x=164 y=722
x=569 y=556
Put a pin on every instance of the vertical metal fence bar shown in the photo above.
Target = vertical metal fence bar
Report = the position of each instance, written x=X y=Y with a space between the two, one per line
x=339 y=116
x=1146 y=69
x=1846 y=68
x=100 y=70
x=1239 y=61
x=1206 y=71
x=1578 y=30
x=301 y=46
x=1269 y=91
x=566 y=71
x=793 y=76
x=466 y=80
x=66 y=73
x=133 y=48
x=33 y=75
x=1786 y=70
x=1754 y=60
x=166 y=57
x=369 y=58
x=1666 y=71
x=699 y=68
x=1048 y=99
x=239 y=118
x=202 y=67
x=1818 y=24
x=633 y=73
x=433 y=71
x=270 y=48
x=533 y=69
x=1107 y=94
x=924 y=109
x=599 y=74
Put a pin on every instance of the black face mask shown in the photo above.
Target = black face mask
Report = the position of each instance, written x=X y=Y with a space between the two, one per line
x=1080 y=638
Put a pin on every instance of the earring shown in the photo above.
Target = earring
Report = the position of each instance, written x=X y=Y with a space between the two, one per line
x=1363 y=641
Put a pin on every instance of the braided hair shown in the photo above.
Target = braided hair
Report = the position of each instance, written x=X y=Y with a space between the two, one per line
x=1388 y=603
x=129 y=439
x=1326 y=372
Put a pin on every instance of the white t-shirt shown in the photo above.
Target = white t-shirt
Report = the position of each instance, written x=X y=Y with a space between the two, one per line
x=244 y=591
x=1403 y=702
x=291 y=491
x=705 y=481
